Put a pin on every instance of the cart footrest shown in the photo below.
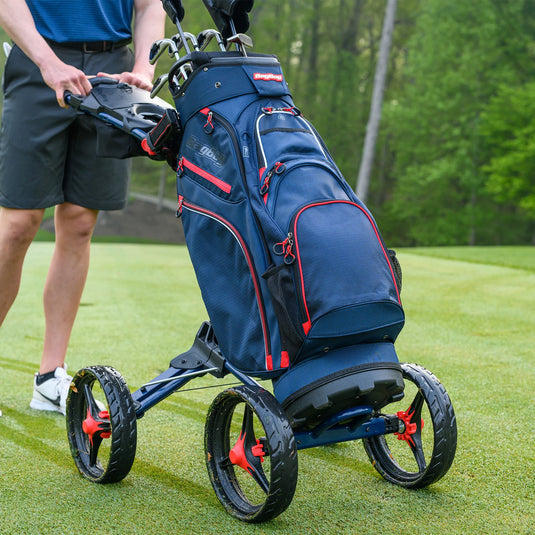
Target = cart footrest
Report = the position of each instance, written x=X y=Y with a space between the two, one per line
x=204 y=351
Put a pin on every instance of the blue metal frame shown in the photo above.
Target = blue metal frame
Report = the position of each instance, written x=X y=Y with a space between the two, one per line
x=335 y=429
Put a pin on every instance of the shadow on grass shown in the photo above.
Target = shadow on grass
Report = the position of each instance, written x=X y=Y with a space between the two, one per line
x=34 y=437
x=52 y=428
x=204 y=494
x=18 y=365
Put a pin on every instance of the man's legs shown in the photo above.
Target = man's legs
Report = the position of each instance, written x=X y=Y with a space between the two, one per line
x=63 y=290
x=65 y=280
x=17 y=231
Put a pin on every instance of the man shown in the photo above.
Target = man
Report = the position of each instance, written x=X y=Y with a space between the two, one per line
x=47 y=154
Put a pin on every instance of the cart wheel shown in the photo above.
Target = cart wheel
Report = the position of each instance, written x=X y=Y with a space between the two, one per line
x=103 y=442
x=424 y=451
x=250 y=453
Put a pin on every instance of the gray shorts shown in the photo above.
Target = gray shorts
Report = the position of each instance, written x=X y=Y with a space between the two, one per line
x=48 y=153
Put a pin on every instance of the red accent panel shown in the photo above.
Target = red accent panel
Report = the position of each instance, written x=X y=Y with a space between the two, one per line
x=223 y=186
x=410 y=426
x=238 y=457
x=269 y=362
x=258 y=450
x=205 y=111
x=145 y=147
x=285 y=359
x=237 y=454
x=91 y=427
x=307 y=325
x=261 y=172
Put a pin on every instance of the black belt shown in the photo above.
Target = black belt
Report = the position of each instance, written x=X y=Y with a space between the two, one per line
x=92 y=47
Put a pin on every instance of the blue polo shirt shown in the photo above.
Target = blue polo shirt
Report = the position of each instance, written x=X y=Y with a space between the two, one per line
x=83 y=20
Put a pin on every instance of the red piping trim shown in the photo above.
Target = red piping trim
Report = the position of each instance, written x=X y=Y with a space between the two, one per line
x=223 y=186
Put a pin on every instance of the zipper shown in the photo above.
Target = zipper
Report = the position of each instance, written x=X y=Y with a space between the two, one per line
x=211 y=116
x=220 y=184
x=286 y=249
x=291 y=252
x=183 y=204
x=278 y=169
x=274 y=186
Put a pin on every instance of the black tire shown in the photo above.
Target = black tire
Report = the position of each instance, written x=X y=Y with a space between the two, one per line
x=103 y=442
x=252 y=488
x=424 y=453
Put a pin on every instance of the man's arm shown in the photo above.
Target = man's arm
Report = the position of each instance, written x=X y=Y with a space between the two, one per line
x=149 y=26
x=17 y=21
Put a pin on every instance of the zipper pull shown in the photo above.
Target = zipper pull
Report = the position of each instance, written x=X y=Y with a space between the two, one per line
x=278 y=168
x=180 y=167
x=179 y=208
x=285 y=248
x=209 y=126
x=265 y=184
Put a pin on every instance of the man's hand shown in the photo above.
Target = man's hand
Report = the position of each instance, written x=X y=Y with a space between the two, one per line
x=62 y=77
x=132 y=78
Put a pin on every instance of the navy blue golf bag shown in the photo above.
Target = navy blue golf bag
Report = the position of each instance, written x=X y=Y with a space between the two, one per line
x=298 y=284
x=294 y=273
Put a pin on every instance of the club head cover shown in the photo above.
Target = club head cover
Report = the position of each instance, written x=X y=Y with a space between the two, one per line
x=223 y=11
x=174 y=9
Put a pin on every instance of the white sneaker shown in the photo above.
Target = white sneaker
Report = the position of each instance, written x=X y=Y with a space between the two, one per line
x=52 y=394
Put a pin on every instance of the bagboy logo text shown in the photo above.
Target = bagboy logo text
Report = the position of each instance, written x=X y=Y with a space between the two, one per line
x=267 y=76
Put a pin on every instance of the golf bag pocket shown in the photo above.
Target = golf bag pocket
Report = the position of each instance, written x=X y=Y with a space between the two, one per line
x=226 y=272
x=289 y=185
x=281 y=286
x=208 y=158
x=283 y=134
x=335 y=279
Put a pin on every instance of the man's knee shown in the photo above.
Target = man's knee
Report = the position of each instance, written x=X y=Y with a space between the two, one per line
x=74 y=222
x=18 y=227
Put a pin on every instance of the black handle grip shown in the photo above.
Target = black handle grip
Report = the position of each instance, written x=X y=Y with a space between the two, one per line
x=174 y=9
x=71 y=100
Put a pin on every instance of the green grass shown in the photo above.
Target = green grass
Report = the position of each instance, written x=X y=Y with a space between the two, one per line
x=469 y=319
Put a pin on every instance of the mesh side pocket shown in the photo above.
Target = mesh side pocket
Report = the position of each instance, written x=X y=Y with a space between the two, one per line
x=396 y=266
x=281 y=287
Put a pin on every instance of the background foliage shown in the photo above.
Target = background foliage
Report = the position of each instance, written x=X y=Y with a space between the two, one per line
x=455 y=158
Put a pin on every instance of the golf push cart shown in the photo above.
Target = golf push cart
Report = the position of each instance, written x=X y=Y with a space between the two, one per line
x=300 y=289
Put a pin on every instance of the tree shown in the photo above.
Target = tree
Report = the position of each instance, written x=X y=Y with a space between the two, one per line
x=458 y=58
x=363 y=181
x=509 y=128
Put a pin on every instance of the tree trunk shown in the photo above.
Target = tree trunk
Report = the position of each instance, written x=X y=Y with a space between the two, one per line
x=372 y=128
x=312 y=78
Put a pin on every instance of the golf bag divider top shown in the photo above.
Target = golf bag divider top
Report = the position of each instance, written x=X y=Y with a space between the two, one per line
x=292 y=268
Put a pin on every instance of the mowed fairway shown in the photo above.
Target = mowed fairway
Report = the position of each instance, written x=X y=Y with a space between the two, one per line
x=470 y=320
